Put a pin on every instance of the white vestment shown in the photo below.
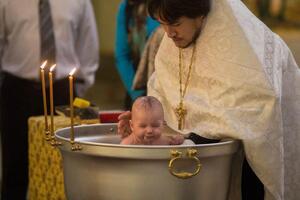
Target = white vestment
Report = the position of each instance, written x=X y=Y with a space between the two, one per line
x=244 y=85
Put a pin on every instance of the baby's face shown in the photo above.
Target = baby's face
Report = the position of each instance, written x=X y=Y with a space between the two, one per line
x=147 y=125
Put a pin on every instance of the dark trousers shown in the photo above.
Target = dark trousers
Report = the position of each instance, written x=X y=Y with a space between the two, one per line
x=252 y=187
x=20 y=99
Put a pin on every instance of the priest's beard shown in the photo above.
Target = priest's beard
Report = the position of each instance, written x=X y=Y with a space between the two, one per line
x=194 y=38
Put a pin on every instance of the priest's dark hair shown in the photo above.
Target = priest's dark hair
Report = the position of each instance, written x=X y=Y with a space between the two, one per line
x=171 y=10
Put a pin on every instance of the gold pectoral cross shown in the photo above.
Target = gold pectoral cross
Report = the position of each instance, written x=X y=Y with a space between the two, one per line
x=180 y=112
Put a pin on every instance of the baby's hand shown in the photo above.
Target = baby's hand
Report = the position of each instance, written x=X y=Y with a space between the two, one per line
x=176 y=139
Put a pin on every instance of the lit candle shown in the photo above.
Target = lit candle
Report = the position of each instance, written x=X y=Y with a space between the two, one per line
x=44 y=96
x=51 y=100
x=71 y=104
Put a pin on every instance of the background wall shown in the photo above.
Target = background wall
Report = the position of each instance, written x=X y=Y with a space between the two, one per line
x=106 y=14
x=108 y=91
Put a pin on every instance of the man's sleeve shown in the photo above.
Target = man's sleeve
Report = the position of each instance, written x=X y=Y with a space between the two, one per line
x=87 y=46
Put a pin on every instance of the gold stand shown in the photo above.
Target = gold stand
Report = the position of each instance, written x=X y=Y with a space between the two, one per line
x=47 y=134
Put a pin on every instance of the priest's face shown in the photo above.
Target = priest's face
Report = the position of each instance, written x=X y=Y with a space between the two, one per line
x=185 y=31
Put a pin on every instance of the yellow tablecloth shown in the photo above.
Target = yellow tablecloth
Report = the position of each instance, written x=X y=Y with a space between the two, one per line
x=46 y=180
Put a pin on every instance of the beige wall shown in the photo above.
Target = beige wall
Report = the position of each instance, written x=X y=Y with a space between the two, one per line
x=106 y=14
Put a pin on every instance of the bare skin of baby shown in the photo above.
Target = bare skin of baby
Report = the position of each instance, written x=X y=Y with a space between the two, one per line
x=147 y=124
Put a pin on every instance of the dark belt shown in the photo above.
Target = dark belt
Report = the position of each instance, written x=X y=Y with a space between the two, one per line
x=197 y=139
x=27 y=82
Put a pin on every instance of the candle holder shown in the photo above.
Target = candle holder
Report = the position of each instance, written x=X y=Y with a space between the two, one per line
x=53 y=142
x=47 y=131
x=74 y=146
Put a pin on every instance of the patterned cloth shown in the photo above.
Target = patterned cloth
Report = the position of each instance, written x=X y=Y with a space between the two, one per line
x=46 y=181
x=244 y=85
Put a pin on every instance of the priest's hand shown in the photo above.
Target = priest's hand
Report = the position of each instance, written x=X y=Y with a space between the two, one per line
x=123 y=124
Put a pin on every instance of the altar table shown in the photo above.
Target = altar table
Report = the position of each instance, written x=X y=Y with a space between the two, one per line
x=46 y=180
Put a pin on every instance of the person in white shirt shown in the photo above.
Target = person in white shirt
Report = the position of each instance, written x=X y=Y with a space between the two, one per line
x=76 y=45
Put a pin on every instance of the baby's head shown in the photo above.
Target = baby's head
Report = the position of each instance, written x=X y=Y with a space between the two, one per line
x=147 y=119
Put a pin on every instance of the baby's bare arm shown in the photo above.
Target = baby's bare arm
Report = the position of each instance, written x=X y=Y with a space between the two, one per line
x=128 y=140
x=171 y=139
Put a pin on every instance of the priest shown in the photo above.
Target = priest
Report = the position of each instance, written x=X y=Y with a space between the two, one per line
x=219 y=73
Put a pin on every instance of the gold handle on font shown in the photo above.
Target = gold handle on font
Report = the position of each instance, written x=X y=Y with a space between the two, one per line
x=176 y=155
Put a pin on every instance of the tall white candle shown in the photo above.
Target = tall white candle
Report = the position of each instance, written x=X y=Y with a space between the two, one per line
x=51 y=100
x=44 y=95
x=71 y=104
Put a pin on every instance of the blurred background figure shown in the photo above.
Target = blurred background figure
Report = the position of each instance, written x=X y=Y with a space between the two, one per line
x=32 y=31
x=146 y=65
x=272 y=8
x=134 y=27
x=263 y=7
x=277 y=10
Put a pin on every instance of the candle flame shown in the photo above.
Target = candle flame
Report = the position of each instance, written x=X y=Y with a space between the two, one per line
x=72 y=72
x=52 y=67
x=44 y=64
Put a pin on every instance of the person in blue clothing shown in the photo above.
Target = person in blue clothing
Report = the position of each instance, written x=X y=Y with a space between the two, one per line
x=134 y=27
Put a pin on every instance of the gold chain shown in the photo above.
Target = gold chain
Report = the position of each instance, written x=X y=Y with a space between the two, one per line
x=180 y=111
x=182 y=93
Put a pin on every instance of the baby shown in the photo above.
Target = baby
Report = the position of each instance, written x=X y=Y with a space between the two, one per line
x=147 y=124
